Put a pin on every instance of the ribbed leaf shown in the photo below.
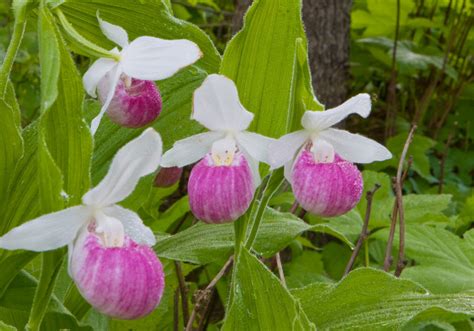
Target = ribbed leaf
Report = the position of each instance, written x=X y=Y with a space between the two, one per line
x=439 y=256
x=369 y=299
x=260 y=302
x=16 y=303
x=204 y=243
x=268 y=62
x=11 y=146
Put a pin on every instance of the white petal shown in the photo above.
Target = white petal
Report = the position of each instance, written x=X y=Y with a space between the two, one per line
x=217 y=106
x=190 y=150
x=288 y=170
x=115 y=76
x=113 y=32
x=254 y=167
x=284 y=149
x=150 y=58
x=255 y=144
x=136 y=159
x=355 y=148
x=320 y=120
x=95 y=73
x=132 y=224
x=47 y=232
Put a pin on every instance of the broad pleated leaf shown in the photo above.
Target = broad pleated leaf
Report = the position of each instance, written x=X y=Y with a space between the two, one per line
x=260 y=302
x=368 y=299
x=268 y=61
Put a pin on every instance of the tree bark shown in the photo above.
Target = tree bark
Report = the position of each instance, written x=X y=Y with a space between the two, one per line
x=241 y=7
x=328 y=29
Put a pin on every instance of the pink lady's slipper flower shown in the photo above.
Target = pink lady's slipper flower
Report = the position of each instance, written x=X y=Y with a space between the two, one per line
x=222 y=184
x=318 y=160
x=110 y=258
x=125 y=86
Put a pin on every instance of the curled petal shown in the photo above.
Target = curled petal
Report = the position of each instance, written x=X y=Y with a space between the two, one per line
x=151 y=58
x=320 y=120
x=96 y=73
x=136 y=159
x=217 y=105
x=355 y=148
x=113 y=32
x=255 y=144
x=133 y=225
x=284 y=149
x=115 y=76
x=190 y=150
x=47 y=232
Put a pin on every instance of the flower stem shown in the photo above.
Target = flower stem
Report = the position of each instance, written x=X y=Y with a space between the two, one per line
x=184 y=291
x=15 y=42
x=89 y=48
x=268 y=190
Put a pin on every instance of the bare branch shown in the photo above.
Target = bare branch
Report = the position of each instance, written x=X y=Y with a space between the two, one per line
x=364 y=234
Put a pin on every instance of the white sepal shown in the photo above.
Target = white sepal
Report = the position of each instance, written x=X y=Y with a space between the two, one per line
x=320 y=120
x=113 y=32
x=133 y=225
x=254 y=167
x=115 y=76
x=136 y=159
x=96 y=72
x=355 y=148
x=190 y=150
x=47 y=232
x=255 y=144
x=216 y=105
x=284 y=149
x=150 y=58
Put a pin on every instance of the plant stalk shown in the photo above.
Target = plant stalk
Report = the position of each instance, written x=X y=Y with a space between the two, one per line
x=12 y=51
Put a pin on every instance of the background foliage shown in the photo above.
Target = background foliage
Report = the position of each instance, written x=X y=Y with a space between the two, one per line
x=48 y=160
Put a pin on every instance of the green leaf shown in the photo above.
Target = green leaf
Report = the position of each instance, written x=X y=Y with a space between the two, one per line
x=380 y=18
x=368 y=299
x=11 y=146
x=260 y=302
x=305 y=269
x=267 y=60
x=67 y=135
x=439 y=255
x=419 y=207
x=49 y=60
x=205 y=243
x=16 y=303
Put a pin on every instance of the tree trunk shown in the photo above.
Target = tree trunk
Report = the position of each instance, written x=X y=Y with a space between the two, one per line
x=328 y=29
x=241 y=7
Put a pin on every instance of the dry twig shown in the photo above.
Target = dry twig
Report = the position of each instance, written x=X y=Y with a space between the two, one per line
x=203 y=298
x=364 y=234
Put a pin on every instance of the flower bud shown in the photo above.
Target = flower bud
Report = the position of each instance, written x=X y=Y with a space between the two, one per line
x=135 y=103
x=122 y=282
x=326 y=189
x=221 y=192
x=167 y=177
